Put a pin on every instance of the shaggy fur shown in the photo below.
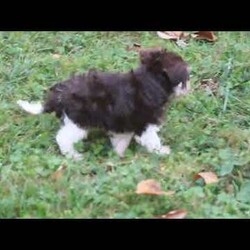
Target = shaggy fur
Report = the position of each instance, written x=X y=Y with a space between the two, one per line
x=120 y=102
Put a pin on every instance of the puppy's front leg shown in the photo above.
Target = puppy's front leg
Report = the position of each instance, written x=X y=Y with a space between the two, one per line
x=151 y=141
x=67 y=136
x=120 y=142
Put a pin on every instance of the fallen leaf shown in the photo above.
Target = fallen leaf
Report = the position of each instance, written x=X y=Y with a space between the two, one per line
x=58 y=173
x=205 y=35
x=185 y=35
x=209 y=85
x=208 y=177
x=110 y=166
x=169 y=192
x=175 y=214
x=56 y=56
x=181 y=43
x=194 y=35
x=151 y=187
x=230 y=188
x=135 y=46
x=170 y=35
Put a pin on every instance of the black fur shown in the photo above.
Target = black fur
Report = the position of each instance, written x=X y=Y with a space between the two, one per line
x=120 y=102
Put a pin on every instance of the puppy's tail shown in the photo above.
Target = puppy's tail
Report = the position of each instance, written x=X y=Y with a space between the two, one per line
x=32 y=108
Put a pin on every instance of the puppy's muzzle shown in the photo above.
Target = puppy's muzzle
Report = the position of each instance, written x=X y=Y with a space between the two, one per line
x=182 y=89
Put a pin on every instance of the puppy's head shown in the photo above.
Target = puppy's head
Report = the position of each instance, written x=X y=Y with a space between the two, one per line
x=169 y=65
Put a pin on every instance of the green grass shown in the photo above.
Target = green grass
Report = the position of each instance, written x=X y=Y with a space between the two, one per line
x=207 y=131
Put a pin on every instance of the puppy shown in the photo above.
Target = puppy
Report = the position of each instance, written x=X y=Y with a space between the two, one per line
x=125 y=105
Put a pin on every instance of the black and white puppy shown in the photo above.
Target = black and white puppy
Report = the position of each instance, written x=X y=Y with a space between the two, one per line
x=125 y=105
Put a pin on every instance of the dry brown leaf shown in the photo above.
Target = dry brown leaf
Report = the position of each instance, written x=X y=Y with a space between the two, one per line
x=170 y=35
x=57 y=175
x=205 y=35
x=185 y=35
x=175 y=214
x=209 y=85
x=181 y=43
x=135 y=46
x=208 y=177
x=169 y=193
x=151 y=187
x=194 y=35
x=56 y=56
x=110 y=166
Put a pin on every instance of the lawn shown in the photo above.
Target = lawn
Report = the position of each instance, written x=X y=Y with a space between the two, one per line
x=208 y=131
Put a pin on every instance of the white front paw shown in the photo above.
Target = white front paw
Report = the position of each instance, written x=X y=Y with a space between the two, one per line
x=137 y=139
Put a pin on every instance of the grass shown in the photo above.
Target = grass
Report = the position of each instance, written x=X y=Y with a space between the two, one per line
x=207 y=131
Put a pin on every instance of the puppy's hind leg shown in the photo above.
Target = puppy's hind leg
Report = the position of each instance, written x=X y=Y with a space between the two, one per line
x=151 y=141
x=67 y=136
x=120 y=142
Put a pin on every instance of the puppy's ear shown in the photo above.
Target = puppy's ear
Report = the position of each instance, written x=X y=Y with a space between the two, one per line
x=166 y=75
x=151 y=56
